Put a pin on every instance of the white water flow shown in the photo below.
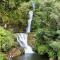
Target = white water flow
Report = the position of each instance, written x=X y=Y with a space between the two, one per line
x=29 y=21
x=23 y=37
x=33 y=4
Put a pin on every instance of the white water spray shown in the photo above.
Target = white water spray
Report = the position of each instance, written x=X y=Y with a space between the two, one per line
x=33 y=4
x=23 y=37
x=29 y=21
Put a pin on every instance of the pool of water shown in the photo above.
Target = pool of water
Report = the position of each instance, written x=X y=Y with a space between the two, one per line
x=31 y=57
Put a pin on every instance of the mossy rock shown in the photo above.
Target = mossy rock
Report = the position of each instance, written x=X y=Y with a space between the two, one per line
x=31 y=39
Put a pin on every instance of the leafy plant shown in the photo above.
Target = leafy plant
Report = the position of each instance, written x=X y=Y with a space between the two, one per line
x=6 y=39
x=14 y=13
x=46 y=25
x=1 y=56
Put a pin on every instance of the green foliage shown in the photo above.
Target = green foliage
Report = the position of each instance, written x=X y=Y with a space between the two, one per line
x=55 y=44
x=42 y=49
x=19 y=15
x=25 y=0
x=46 y=15
x=46 y=25
x=23 y=11
x=14 y=12
x=6 y=39
x=51 y=53
x=1 y=56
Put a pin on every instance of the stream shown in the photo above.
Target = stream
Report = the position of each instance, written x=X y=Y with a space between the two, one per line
x=31 y=57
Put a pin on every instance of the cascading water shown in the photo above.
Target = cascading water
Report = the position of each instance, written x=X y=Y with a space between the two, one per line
x=33 y=4
x=22 y=37
x=29 y=21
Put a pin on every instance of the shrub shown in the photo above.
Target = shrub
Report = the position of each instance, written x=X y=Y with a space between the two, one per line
x=1 y=56
x=6 y=39
x=46 y=25
x=14 y=12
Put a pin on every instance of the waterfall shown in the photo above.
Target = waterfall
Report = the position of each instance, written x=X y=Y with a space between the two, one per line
x=29 y=21
x=33 y=4
x=23 y=37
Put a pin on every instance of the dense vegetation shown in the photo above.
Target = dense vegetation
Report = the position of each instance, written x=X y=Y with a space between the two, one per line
x=45 y=24
x=5 y=39
x=13 y=13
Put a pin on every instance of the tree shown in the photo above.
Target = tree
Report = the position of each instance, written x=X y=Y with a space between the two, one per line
x=46 y=24
x=14 y=12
